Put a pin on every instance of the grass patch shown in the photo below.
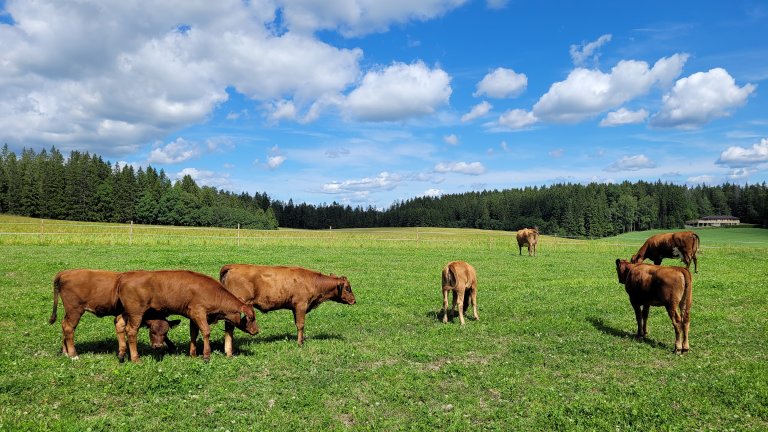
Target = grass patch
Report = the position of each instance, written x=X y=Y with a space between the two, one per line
x=553 y=349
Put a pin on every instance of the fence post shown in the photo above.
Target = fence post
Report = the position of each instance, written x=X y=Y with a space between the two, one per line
x=130 y=239
x=238 y=234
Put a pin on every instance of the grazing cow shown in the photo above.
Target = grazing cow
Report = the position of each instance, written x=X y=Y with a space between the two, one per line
x=530 y=237
x=684 y=244
x=270 y=288
x=95 y=291
x=196 y=296
x=460 y=278
x=653 y=285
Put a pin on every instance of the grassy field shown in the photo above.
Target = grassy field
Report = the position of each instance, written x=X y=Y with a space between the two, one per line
x=553 y=349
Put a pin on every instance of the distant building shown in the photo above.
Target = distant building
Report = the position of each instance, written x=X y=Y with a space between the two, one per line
x=714 y=221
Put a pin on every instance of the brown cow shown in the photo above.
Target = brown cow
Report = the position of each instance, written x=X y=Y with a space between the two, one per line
x=460 y=278
x=684 y=244
x=196 y=296
x=95 y=291
x=530 y=237
x=653 y=285
x=270 y=288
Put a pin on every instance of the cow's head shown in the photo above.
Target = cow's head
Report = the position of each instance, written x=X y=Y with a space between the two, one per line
x=622 y=269
x=248 y=322
x=345 y=294
x=158 y=332
x=636 y=259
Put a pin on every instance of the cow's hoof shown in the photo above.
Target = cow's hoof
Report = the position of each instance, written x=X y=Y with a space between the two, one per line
x=75 y=358
x=121 y=359
x=207 y=359
x=685 y=350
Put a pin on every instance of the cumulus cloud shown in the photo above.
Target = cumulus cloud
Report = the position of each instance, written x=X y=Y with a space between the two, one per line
x=517 y=119
x=282 y=110
x=174 y=152
x=206 y=178
x=451 y=139
x=740 y=157
x=701 y=98
x=586 y=93
x=274 y=162
x=383 y=181
x=623 y=116
x=502 y=83
x=741 y=173
x=472 y=168
x=432 y=192
x=397 y=92
x=701 y=179
x=586 y=51
x=631 y=163
x=477 y=111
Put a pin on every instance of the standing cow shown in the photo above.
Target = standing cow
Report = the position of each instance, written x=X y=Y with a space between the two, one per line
x=653 y=285
x=460 y=279
x=270 y=288
x=95 y=291
x=530 y=237
x=196 y=296
x=684 y=244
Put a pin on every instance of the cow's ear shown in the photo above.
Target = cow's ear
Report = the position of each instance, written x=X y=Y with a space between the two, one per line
x=174 y=323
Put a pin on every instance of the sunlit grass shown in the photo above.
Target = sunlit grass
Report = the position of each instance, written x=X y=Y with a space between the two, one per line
x=553 y=349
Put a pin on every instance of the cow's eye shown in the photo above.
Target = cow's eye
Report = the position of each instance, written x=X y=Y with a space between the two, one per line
x=349 y=289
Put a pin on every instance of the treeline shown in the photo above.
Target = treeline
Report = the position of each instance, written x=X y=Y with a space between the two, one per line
x=593 y=210
x=86 y=188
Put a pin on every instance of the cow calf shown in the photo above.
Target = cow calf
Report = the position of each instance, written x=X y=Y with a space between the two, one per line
x=653 y=285
x=530 y=237
x=460 y=279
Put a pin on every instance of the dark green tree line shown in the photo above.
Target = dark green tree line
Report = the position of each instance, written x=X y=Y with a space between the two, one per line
x=84 y=187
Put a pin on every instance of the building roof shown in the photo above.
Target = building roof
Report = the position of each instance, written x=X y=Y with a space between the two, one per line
x=722 y=217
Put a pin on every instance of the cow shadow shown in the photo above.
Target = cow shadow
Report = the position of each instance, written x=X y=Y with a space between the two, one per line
x=600 y=325
x=437 y=315
x=292 y=337
x=109 y=347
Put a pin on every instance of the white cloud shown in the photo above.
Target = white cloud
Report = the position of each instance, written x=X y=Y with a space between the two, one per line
x=496 y=4
x=701 y=98
x=586 y=51
x=383 y=181
x=206 y=178
x=432 y=192
x=586 y=93
x=517 y=119
x=741 y=173
x=451 y=139
x=359 y=17
x=472 y=168
x=740 y=157
x=174 y=152
x=701 y=179
x=556 y=153
x=337 y=153
x=398 y=92
x=274 y=162
x=282 y=110
x=623 y=116
x=631 y=163
x=502 y=83
x=477 y=111
x=504 y=146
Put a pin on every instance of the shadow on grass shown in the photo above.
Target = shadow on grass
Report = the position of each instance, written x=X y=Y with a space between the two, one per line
x=109 y=346
x=600 y=325
x=438 y=315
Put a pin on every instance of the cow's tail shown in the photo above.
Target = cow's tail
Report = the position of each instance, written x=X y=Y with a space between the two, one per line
x=687 y=300
x=696 y=244
x=449 y=276
x=223 y=274
x=56 y=293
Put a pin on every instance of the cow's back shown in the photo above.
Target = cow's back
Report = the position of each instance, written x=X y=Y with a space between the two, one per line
x=167 y=290
x=93 y=290
x=459 y=274
x=654 y=284
x=269 y=287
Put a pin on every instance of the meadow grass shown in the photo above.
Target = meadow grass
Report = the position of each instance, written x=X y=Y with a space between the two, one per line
x=553 y=349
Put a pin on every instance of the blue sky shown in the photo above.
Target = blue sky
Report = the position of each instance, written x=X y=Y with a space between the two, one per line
x=365 y=102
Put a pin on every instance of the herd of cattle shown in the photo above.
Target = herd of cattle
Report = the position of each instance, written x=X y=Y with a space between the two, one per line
x=146 y=298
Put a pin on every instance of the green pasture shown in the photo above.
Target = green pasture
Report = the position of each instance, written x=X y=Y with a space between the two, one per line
x=553 y=349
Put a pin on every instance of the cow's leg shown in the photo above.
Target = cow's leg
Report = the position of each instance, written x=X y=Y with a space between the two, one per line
x=68 y=326
x=459 y=297
x=193 y=331
x=646 y=309
x=521 y=249
x=674 y=315
x=686 y=325
x=132 y=324
x=473 y=299
x=298 y=318
x=200 y=318
x=529 y=250
x=638 y=319
x=534 y=249
x=445 y=304
x=695 y=263
x=122 y=346
x=657 y=261
x=229 y=329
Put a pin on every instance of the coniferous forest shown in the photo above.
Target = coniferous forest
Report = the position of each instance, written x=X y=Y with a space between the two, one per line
x=85 y=187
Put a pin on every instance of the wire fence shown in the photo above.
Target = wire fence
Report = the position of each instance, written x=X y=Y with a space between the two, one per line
x=45 y=231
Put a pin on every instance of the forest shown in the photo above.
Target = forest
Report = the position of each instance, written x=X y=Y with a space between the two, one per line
x=84 y=187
